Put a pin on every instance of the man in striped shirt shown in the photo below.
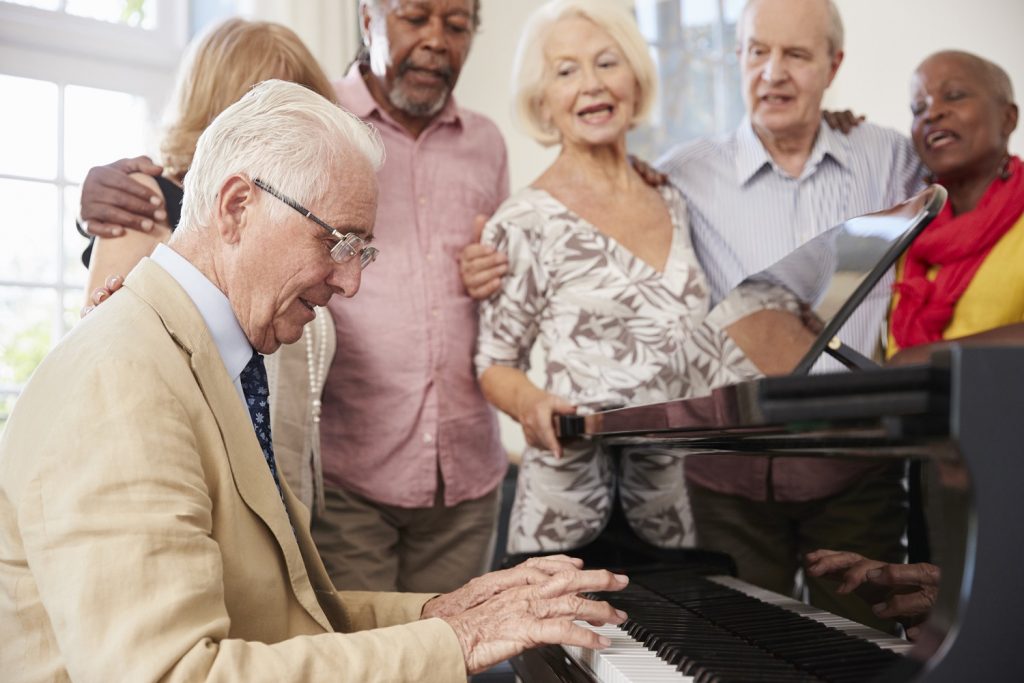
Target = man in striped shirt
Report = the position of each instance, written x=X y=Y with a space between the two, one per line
x=755 y=195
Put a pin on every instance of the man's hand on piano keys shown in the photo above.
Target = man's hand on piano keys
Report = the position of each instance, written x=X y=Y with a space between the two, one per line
x=904 y=592
x=499 y=615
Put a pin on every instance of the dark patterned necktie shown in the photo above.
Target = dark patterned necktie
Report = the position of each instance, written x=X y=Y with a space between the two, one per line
x=257 y=398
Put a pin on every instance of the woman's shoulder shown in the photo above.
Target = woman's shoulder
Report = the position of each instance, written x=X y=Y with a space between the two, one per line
x=529 y=211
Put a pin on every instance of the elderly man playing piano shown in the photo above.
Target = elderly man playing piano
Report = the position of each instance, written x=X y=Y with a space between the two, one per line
x=145 y=533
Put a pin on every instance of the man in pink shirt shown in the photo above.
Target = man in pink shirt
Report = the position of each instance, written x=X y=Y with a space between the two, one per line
x=411 y=457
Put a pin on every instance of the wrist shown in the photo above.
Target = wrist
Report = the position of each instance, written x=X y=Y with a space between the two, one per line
x=466 y=637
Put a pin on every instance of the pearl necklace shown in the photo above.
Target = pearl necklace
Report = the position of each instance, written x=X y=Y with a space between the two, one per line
x=316 y=366
x=316 y=361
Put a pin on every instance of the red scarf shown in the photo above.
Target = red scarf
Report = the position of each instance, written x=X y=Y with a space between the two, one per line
x=958 y=245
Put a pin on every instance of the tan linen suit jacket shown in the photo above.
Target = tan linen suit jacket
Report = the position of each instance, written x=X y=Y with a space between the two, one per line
x=142 y=537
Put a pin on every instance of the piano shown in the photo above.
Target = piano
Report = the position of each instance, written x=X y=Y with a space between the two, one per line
x=963 y=410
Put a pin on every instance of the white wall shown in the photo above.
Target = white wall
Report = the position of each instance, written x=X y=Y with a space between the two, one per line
x=887 y=39
x=485 y=83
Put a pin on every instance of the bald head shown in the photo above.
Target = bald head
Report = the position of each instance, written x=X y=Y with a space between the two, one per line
x=987 y=74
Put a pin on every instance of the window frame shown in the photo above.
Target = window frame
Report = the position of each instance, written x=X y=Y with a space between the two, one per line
x=52 y=46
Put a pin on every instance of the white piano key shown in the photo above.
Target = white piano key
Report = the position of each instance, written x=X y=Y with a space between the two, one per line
x=624 y=661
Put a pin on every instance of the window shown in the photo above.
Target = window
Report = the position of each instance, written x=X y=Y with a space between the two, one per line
x=83 y=82
x=693 y=43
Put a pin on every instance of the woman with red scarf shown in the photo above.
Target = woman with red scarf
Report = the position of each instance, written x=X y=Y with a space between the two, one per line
x=962 y=278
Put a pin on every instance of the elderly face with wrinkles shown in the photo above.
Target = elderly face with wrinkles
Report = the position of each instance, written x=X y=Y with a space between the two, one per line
x=417 y=49
x=963 y=115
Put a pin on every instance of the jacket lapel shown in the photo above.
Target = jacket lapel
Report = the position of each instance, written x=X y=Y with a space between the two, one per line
x=245 y=457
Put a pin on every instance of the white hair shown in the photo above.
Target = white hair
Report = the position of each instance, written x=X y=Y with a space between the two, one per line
x=530 y=76
x=834 y=34
x=280 y=132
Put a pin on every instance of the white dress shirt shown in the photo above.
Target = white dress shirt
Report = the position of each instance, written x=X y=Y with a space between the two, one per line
x=235 y=349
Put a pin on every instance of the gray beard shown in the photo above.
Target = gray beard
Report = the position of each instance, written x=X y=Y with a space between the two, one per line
x=418 y=109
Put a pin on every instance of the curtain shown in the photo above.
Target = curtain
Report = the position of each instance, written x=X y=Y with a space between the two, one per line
x=328 y=27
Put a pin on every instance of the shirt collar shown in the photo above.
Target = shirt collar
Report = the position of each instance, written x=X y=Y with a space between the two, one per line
x=235 y=349
x=356 y=97
x=751 y=156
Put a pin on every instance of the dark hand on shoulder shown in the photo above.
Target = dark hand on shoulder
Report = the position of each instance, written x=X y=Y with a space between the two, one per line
x=651 y=175
x=843 y=121
x=113 y=202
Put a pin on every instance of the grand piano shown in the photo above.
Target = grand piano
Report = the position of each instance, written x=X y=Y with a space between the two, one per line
x=962 y=412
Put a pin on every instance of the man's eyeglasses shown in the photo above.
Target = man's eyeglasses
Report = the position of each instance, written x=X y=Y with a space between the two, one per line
x=349 y=244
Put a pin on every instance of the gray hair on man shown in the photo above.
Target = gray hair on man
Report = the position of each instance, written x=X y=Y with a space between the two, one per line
x=381 y=7
x=283 y=133
x=835 y=32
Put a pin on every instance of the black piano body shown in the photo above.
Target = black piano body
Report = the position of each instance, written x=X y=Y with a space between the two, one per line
x=964 y=410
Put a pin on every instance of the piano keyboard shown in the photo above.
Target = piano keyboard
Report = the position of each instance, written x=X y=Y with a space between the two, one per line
x=719 y=629
x=852 y=628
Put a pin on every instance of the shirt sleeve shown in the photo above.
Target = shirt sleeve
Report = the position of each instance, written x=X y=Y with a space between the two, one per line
x=509 y=320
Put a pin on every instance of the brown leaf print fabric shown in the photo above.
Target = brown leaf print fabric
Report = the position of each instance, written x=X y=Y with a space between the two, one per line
x=612 y=331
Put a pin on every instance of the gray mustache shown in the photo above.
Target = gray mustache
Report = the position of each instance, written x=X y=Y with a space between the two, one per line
x=443 y=70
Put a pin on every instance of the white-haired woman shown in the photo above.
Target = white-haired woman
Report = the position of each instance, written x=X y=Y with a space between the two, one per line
x=601 y=273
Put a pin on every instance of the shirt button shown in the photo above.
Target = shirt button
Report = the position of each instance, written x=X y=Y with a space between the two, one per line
x=428 y=438
x=423 y=201
x=433 y=312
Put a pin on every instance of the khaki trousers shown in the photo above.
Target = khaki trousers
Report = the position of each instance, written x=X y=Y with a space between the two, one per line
x=370 y=546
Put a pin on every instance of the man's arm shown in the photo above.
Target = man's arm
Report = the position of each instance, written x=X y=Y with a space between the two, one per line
x=112 y=202
x=116 y=517
x=117 y=256
x=116 y=510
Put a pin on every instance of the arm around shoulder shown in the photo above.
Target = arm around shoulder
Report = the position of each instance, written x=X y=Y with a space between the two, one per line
x=118 y=255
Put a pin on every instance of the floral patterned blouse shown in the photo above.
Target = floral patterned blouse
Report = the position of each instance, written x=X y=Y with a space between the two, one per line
x=614 y=330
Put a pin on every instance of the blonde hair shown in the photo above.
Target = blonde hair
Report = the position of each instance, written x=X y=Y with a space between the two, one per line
x=220 y=68
x=285 y=134
x=530 y=74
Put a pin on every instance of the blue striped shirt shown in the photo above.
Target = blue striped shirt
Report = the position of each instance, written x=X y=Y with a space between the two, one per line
x=746 y=212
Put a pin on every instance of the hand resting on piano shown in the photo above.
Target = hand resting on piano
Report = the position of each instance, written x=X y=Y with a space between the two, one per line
x=499 y=615
x=904 y=592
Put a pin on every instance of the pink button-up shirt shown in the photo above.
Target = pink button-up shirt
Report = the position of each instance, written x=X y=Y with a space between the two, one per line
x=401 y=402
